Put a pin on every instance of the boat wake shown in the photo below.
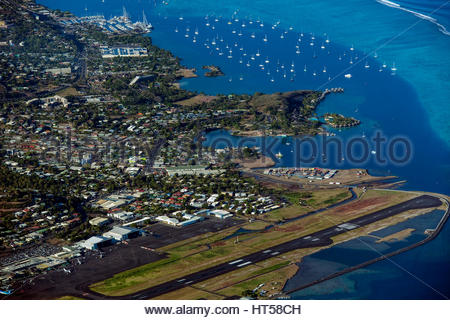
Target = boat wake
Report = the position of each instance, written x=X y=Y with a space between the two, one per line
x=417 y=14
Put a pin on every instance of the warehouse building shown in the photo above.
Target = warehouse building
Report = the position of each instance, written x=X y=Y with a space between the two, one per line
x=169 y=221
x=221 y=214
x=96 y=242
x=122 y=233
x=99 y=221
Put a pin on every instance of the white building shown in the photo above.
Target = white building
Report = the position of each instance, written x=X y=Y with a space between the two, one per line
x=221 y=214
x=212 y=199
x=96 y=242
x=122 y=233
x=122 y=215
x=99 y=221
x=169 y=221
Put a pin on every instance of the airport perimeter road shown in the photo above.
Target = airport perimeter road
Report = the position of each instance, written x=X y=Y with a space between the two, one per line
x=316 y=239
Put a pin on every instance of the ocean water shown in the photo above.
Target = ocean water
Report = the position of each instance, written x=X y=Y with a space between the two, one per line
x=411 y=102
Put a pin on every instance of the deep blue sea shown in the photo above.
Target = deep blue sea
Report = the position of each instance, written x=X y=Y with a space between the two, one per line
x=398 y=56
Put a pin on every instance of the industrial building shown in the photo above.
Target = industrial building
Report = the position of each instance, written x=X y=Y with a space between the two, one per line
x=122 y=233
x=221 y=214
x=190 y=221
x=96 y=242
x=169 y=221
x=99 y=221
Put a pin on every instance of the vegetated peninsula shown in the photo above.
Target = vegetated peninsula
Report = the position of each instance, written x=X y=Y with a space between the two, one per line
x=340 y=121
x=213 y=71
x=285 y=113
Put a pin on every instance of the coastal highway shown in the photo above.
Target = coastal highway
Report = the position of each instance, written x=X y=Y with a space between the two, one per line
x=316 y=239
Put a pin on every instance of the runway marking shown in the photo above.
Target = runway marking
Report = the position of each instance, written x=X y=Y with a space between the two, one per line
x=243 y=264
x=189 y=282
x=181 y=280
x=306 y=238
x=236 y=261
x=275 y=253
x=267 y=251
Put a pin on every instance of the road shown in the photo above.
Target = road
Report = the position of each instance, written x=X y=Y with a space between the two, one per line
x=316 y=239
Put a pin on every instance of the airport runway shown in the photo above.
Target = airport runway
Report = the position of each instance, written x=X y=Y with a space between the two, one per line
x=316 y=239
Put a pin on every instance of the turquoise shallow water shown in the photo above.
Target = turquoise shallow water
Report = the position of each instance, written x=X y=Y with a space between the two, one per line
x=412 y=103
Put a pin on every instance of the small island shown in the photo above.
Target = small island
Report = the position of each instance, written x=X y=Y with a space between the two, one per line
x=340 y=121
x=214 y=71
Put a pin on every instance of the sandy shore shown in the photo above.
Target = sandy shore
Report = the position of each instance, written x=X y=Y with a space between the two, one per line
x=261 y=162
x=187 y=73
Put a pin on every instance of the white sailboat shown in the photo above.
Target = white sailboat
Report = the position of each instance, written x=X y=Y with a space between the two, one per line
x=394 y=68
